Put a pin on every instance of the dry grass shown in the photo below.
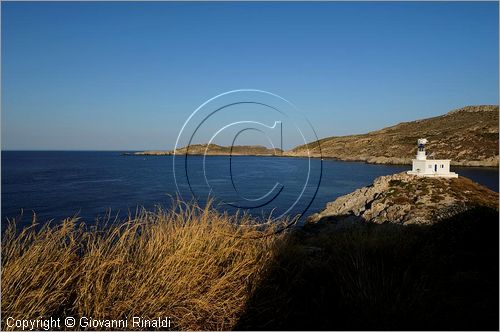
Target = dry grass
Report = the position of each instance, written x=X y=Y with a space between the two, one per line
x=212 y=271
x=194 y=265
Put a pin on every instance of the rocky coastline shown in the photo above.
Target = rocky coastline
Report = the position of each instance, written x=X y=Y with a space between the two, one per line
x=407 y=199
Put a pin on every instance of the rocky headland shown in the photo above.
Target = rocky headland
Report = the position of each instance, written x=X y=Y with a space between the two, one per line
x=405 y=253
x=407 y=199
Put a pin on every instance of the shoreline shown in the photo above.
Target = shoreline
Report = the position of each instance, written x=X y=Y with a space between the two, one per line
x=367 y=160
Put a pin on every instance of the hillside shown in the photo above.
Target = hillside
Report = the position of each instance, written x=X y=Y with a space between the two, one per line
x=216 y=150
x=468 y=136
x=407 y=199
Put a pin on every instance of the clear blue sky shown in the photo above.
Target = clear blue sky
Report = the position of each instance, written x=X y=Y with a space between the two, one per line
x=105 y=76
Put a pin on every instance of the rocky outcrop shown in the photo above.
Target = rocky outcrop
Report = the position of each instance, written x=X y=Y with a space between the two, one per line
x=407 y=199
x=468 y=136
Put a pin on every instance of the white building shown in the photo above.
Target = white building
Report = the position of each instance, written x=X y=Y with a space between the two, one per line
x=430 y=167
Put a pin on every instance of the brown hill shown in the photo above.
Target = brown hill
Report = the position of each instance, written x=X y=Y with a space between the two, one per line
x=468 y=136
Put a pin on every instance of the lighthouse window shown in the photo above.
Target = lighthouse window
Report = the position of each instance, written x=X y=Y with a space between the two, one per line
x=442 y=166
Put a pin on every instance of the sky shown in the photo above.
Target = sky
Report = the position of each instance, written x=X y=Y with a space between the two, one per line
x=127 y=75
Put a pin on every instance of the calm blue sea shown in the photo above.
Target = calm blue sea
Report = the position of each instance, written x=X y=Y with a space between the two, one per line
x=55 y=184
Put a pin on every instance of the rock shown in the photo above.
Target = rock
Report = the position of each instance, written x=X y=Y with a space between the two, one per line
x=407 y=199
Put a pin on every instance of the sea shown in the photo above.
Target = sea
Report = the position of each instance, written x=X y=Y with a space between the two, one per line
x=96 y=185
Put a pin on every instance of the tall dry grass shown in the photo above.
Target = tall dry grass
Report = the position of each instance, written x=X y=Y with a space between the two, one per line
x=195 y=265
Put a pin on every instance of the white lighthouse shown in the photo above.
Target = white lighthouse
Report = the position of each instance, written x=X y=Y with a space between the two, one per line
x=421 y=166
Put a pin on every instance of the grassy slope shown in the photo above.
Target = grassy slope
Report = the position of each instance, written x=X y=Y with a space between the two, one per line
x=197 y=267
x=468 y=136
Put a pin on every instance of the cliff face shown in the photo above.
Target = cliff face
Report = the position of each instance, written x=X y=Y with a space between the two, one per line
x=468 y=136
x=407 y=199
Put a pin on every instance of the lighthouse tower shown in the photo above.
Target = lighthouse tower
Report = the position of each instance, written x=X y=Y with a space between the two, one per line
x=421 y=166
x=421 y=149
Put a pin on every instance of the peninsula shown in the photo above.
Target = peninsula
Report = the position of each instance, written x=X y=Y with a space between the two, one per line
x=468 y=136
x=215 y=150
